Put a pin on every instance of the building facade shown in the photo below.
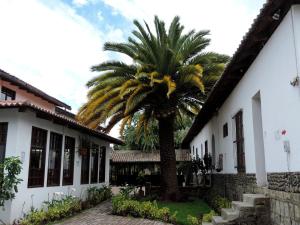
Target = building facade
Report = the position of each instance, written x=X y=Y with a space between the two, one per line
x=58 y=154
x=127 y=165
x=250 y=121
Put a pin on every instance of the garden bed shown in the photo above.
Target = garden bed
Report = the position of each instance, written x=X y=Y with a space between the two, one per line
x=62 y=207
x=196 y=208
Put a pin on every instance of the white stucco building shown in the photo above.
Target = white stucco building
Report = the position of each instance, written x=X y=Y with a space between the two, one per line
x=58 y=154
x=250 y=123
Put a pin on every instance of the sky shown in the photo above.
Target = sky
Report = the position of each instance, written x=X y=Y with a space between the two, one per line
x=52 y=44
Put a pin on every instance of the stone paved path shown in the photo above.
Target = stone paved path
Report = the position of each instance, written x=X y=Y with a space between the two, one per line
x=101 y=215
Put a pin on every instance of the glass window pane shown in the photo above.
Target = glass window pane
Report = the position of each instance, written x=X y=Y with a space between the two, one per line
x=37 y=157
x=85 y=163
x=68 y=166
x=102 y=164
x=54 y=159
x=94 y=163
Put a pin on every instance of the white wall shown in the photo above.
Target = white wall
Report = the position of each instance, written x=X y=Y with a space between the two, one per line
x=270 y=74
x=18 y=144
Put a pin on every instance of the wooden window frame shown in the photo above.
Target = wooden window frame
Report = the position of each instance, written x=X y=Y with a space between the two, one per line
x=68 y=174
x=239 y=142
x=6 y=92
x=53 y=175
x=41 y=136
x=3 y=139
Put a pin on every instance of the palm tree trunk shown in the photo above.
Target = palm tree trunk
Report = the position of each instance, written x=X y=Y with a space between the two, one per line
x=169 y=183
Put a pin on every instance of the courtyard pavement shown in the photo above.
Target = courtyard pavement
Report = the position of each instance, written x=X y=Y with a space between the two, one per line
x=101 y=215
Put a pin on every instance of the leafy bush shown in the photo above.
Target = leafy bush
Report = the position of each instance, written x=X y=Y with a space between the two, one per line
x=9 y=171
x=56 y=209
x=217 y=202
x=127 y=191
x=127 y=207
x=208 y=217
x=98 y=195
x=192 y=220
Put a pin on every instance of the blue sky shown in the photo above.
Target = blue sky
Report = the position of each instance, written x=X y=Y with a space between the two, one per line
x=53 y=43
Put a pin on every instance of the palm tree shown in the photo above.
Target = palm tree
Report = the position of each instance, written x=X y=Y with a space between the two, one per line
x=169 y=77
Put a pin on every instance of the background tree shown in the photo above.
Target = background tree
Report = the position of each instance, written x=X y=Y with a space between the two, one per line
x=148 y=140
x=169 y=77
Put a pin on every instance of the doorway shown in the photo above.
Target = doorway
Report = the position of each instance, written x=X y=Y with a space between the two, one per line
x=261 y=174
x=239 y=142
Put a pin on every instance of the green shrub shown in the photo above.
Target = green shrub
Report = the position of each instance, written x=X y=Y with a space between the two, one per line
x=217 y=202
x=127 y=207
x=35 y=218
x=98 y=195
x=208 y=216
x=126 y=191
x=192 y=220
x=66 y=207
x=56 y=209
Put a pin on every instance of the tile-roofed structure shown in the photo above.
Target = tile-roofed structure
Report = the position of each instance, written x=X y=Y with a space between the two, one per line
x=120 y=156
x=31 y=89
x=58 y=118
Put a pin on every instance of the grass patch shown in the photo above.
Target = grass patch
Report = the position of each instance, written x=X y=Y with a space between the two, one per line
x=194 y=208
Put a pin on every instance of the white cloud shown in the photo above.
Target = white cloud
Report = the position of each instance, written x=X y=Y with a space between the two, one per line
x=49 y=46
x=100 y=16
x=80 y=3
x=228 y=20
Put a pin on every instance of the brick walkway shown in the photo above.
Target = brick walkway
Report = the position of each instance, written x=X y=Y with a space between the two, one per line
x=101 y=215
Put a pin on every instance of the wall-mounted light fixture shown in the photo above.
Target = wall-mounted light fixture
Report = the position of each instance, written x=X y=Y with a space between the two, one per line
x=276 y=15
x=295 y=81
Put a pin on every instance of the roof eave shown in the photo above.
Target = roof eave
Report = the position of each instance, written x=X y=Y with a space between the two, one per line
x=251 y=45
x=23 y=85
x=64 y=121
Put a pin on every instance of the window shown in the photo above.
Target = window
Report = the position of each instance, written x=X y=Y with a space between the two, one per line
x=85 y=164
x=193 y=150
x=197 y=154
x=37 y=157
x=213 y=150
x=225 y=130
x=206 y=147
x=7 y=94
x=68 y=167
x=3 y=136
x=54 y=159
x=94 y=163
x=102 y=164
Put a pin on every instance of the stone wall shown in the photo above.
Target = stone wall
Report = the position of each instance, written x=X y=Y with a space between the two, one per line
x=285 y=206
x=289 y=182
x=233 y=186
x=283 y=191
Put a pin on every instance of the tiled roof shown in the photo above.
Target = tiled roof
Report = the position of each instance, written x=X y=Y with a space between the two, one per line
x=58 y=118
x=23 y=85
x=251 y=45
x=140 y=156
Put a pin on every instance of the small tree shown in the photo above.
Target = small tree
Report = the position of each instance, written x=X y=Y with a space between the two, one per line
x=9 y=171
